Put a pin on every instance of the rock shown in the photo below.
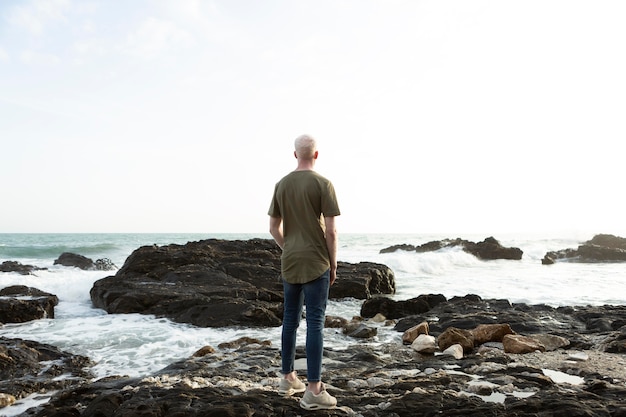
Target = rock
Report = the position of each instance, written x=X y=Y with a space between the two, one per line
x=361 y=331
x=216 y=283
x=515 y=343
x=27 y=367
x=601 y=248
x=84 y=263
x=334 y=322
x=396 y=309
x=244 y=341
x=488 y=249
x=6 y=400
x=411 y=334
x=453 y=336
x=19 y=304
x=456 y=351
x=551 y=342
x=203 y=351
x=389 y=380
x=13 y=266
x=425 y=344
x=75 y=260
x=490 y=333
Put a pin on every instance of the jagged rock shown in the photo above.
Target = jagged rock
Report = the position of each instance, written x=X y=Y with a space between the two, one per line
x=515 y=343
x=27 y=367
x=411 y=334
x=14 y=266
x=360 y=330
x=488 y=249
x=216 y=283
x=601 y=248
x=453 y=336
x=389 y=380
x=490 y=332
x=84 y=263
x=395 y=309
x=19 y=304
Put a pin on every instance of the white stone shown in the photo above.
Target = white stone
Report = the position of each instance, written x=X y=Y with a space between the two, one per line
x=578 y=356
x=425 y=344
x=455 y=351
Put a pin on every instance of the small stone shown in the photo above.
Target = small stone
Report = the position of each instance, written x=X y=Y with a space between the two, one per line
x=424 y=344
x=203 y=351
x=515 y=343
x=578 y=356
x=455 y=351
x=6 y=400
x=411 y=334
x=378 y=318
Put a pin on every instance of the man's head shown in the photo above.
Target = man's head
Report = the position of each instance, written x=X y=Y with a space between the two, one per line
x=306 y=147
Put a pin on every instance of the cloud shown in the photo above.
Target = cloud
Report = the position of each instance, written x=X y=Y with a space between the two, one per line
x=4 y=56
x=38 y=58
x=155 y=36
x=37 y=14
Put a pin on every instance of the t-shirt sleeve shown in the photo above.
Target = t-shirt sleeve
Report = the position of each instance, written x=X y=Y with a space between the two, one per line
x=330 y=206
x=274 y=210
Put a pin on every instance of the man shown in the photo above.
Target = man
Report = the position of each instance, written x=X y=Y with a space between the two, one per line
x=302 y=222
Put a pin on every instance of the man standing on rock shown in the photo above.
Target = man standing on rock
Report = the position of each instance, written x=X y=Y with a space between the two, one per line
x=302 y=221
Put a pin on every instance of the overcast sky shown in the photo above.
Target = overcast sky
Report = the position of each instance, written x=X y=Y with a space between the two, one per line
x=431 y=116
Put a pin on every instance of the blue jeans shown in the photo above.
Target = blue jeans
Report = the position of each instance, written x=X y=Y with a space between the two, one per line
x=315 y=295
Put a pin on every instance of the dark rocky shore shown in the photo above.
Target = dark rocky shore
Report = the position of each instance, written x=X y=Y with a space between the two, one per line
x=461 y=356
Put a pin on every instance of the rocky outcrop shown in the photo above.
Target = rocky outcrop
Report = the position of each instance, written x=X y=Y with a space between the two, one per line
x=387 y=380
x=14 y=266
x=601 y=248
x=27 y=367
x=19 y=304
x=488 y=249
x=216 y=283
x=84 y=263
x=465 y=368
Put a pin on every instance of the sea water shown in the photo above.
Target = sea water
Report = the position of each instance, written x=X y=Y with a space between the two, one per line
x=137 y=345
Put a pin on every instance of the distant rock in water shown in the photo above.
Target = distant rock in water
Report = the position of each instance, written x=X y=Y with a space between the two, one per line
x=13 y=266
x=84 y=263
x=602 y=248
x=216 y=283
x=488 y=249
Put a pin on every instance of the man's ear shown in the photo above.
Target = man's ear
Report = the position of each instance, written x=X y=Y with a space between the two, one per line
x=315 y=155
x=295 y=154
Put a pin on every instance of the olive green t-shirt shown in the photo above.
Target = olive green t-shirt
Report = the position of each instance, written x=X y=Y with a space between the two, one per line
x=302 y=199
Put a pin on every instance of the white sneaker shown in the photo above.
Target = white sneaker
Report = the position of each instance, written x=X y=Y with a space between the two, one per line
x=321 y=401
x=286 y=387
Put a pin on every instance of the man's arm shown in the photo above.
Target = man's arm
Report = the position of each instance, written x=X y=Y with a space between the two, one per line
x=332 y=243
x=276 y=230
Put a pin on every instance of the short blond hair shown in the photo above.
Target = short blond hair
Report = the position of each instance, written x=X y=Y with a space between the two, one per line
x=305 y=146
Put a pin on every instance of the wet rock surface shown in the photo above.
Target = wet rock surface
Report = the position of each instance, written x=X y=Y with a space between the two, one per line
x=577 y=368
x=216 y=283
x=19 y=304
x=14 y=266
x=389 y=380
x=601 y=248
x=28 y=367
x=488 y=249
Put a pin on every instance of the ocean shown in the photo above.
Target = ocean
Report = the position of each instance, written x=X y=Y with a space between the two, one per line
x=137 y=345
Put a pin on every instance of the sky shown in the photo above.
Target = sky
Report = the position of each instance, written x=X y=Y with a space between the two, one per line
x=431 y=116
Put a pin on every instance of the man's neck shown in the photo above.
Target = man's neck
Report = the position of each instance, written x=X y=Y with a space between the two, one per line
x=305 y=165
